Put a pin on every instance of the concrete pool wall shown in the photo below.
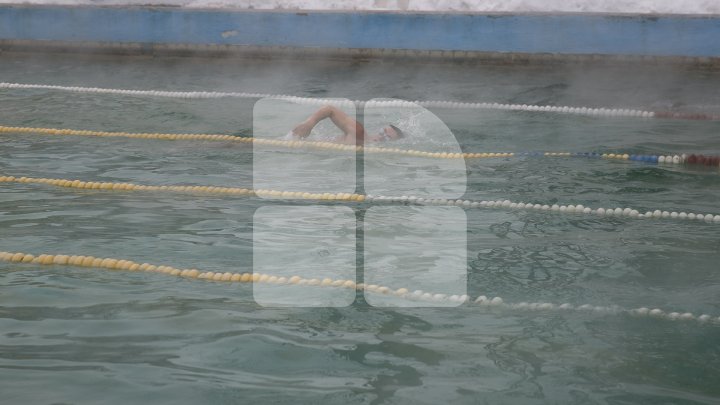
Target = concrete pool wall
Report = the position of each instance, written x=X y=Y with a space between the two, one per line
x=449 y=35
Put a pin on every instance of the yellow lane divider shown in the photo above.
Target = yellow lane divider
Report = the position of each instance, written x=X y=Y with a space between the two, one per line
x=403 y=293
x=320 y=145
x=499 y=204
x=260 y=141
x=190 y=273
x=96 y=185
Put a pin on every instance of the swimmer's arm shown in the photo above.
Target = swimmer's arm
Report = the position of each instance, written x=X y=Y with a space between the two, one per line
x=344 y=122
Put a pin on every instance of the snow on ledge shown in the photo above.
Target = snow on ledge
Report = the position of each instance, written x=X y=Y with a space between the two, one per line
x=691 y=7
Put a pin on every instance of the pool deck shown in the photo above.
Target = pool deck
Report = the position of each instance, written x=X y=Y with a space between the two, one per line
x=508 y=37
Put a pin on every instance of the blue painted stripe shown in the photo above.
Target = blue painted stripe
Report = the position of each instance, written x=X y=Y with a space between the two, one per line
x=531 y=33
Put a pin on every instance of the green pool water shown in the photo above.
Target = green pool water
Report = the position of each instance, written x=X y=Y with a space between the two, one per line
x=75 y=335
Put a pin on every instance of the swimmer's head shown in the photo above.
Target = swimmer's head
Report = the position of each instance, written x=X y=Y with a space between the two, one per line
x=388 y=133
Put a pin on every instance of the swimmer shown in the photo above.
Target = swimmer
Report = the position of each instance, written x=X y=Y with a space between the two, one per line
x=353 y=132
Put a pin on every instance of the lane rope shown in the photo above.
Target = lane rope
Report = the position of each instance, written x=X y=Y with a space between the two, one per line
x=251 y=140
x=300 y=195
x=403 y=293
x=677 y=159
x=606 y=112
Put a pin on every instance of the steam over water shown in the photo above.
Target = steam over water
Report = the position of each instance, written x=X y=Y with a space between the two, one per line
x=75 y=335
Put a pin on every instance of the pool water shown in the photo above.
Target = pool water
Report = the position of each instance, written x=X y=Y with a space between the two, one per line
x=74 y=335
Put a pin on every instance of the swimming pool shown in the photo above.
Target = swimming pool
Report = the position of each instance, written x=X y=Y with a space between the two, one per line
x=71 y=334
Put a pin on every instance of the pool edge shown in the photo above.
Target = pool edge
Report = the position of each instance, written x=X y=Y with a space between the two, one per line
x=538 y=38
